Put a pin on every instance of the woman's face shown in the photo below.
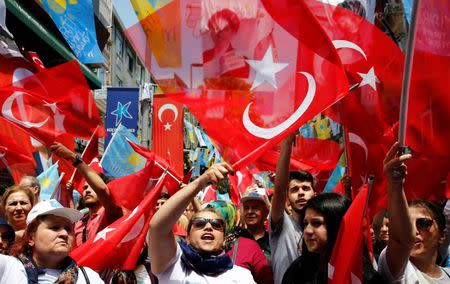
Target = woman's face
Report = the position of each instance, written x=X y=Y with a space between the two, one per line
x=384 y=230
x=315 y=231
x=17 y=206
x=53 y=238
x=428 y=236
x=206 y=237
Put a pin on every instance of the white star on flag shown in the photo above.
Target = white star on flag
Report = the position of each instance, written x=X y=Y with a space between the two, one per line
x=369 y=78
x=102 y=234
x=167 y=126
x=266 y=69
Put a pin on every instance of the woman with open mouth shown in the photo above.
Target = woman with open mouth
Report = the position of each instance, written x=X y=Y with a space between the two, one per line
x=202 y=258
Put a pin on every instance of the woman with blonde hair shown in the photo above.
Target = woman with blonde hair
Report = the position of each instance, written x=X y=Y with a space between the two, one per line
x=17 y=201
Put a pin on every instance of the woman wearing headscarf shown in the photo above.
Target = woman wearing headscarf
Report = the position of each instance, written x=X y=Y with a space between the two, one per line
x=202 y=258
x=42 y=255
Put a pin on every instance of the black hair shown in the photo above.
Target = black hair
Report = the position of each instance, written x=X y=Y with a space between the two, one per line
x=433 y=208
x=164 y=195
x=302 y=176
x=309 y=266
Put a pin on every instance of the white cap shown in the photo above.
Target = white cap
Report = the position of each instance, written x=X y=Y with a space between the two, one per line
x=53 y=207
x=256 y=196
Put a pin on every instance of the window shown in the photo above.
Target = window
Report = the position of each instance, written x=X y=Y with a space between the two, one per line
x=118 y=82
x=130 y=60
x=119 y=43
x=142 y=76
x=101 y=74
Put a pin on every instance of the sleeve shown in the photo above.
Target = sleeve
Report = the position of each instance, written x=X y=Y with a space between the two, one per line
x=276 y=228
x=383 y=268
x=3 y=265
x=174 y=266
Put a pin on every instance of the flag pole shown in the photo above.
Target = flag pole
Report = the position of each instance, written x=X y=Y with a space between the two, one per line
x=407 y=74
x=369 y=191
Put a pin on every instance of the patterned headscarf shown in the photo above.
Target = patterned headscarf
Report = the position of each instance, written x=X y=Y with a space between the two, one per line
x=228 y=211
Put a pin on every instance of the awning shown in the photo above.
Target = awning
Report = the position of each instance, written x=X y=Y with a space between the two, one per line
x=22 y=14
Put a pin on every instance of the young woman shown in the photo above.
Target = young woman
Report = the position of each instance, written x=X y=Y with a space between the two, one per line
x=381 y=230
x=415 y=233
x=42 y=255
x=201 y=259
x=322 y=216
x=17 y=202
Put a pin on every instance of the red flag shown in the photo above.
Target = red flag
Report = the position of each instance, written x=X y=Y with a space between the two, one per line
x=168 y=131
x=239 y=182
x=160 y=165
x=428 y=130
x=249 y=87
x=51 y=103
x=346 y=262
x=209 y=194
x=89 y=154
x=120 y=244
x=16 y=151
x=14 y=69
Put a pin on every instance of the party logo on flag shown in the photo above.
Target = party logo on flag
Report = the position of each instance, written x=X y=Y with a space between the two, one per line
x=75 y=21
x=49 y=181
x=119 y=159
x=121 y=108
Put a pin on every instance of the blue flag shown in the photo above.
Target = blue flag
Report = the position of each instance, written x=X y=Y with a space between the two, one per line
x=49 y=181
x=75 y=21
x=335 y=178
x=119 y=159
x=122 y=107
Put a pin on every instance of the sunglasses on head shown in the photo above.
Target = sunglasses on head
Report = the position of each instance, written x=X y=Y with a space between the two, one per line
x=424 y=223
x=200 y=223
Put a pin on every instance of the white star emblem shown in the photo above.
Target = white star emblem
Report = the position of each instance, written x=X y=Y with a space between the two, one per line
x=266 y=69
x=121 y=111
x=102 y=234
x=167 y=126
x=369 y=78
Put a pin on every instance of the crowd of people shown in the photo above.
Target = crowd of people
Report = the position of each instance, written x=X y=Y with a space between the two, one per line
x=287 y=236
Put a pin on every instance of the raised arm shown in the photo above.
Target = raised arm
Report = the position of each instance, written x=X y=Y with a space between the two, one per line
x=162 y=246
x=92 y=178
x=401 y=230
x=281 y=180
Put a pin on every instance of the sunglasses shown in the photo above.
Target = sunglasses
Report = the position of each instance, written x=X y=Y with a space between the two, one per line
x=424 y=223
x=200 y=223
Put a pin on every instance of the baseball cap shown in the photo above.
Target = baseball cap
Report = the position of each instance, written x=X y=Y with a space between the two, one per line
x=53 y=207
x=255 y=196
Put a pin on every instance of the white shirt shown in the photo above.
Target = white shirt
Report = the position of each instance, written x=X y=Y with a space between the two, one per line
x=411 y=275
x=176 y=273
x=13 y=272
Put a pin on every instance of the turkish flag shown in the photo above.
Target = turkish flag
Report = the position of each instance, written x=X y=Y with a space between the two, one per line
x=52 y=103
x=173 y=180
x=168 y=131
x=251 y=81
x=16 y=151
x=346 y=261
x=120 y=244
x=239 y=182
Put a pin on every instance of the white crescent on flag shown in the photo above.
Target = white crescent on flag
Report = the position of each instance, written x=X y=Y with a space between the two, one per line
x=268 y=133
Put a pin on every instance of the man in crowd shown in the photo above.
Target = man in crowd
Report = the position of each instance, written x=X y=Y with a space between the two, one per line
x=255 y=208
x=33 y=184
x=284 y=231
x=96 y=197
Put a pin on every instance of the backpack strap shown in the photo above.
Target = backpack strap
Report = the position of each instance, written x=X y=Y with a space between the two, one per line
x=85 y=275
x=235 y=249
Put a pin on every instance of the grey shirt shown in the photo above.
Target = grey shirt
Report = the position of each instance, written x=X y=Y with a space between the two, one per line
x=285 y=244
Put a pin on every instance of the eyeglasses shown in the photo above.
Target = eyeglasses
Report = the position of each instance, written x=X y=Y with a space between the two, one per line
x=424 y=223
x=200 y=223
